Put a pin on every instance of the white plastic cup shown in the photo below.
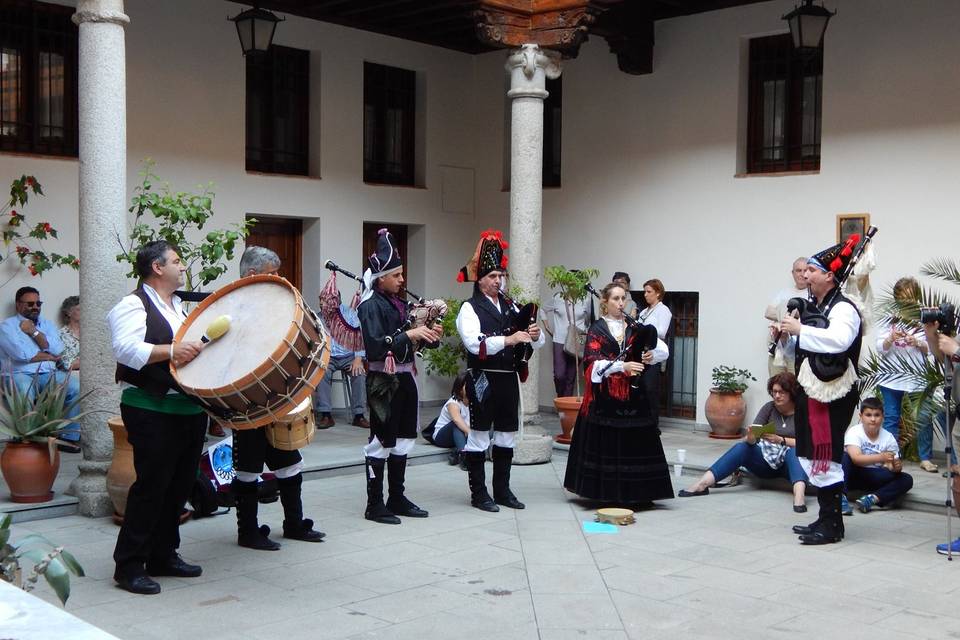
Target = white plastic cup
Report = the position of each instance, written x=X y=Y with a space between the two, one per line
x=678 y=470
x=681 y=455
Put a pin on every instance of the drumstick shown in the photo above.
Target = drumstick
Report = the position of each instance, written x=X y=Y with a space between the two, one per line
x=216 y=329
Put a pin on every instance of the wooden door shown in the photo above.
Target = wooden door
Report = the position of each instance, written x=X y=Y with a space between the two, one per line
x=285 y=237
x=370 y=231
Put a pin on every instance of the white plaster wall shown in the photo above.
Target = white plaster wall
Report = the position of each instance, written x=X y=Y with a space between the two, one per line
x=649 y=164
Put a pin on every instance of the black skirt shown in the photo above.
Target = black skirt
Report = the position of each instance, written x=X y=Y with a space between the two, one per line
x=621 y=465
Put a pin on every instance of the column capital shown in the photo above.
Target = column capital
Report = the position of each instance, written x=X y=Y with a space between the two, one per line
x=110 y=11
x=529 y=66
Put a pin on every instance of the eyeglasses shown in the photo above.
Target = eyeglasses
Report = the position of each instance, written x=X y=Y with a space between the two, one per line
x=776 y=392
x=37 y=304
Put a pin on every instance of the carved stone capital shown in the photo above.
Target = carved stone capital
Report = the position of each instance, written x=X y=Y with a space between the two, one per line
x=110 y=11
x=529 y=66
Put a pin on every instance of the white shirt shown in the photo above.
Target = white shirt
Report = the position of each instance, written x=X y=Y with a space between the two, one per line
x=468 y=326
x=659 y=316
x=660 y=353
x=561 y=312
x=783 y=296
x=900 y=351
x=445 y=420
x=885 y=441
x=837 y=338
x=128 y=326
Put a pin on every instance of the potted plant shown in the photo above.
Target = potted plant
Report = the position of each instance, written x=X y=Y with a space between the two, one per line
x=725 y=406
x=32 y=419
x=450 y=358
x=48 y=560
x=569 y=284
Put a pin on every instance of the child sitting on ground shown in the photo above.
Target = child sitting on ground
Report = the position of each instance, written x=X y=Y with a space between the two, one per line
x=453 y=425
x=871 y=460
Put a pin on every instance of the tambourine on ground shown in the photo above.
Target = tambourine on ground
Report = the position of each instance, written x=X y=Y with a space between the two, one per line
x=270 y=361
x=614 y=515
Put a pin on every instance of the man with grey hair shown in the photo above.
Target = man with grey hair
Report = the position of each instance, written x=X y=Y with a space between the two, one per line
x=781 y=360
x=251 y=451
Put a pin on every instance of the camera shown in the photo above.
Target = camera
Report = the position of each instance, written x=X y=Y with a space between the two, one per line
x=945 y=315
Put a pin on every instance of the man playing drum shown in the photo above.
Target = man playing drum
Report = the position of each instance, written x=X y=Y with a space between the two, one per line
x=486 y=325
x=163 y=425
x=251 y=451
x=391 y=388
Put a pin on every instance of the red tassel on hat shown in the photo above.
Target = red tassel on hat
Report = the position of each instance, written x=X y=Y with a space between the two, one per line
x=503 y=262
x=836 y=265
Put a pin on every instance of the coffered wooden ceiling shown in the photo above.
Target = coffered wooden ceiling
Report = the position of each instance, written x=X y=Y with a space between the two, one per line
x=477 y=26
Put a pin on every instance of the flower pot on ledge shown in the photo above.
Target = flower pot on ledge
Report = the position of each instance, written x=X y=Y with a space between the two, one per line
x=567 y=408
x=725 y=412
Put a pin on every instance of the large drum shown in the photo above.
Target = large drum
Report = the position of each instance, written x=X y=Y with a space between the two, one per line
x=269 y=362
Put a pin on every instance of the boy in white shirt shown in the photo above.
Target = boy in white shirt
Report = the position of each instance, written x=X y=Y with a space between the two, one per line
x=871 y=460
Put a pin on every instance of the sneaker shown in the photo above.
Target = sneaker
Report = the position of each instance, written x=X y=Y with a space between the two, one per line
x=845 y=506
x=867 y=503
x=954 y=547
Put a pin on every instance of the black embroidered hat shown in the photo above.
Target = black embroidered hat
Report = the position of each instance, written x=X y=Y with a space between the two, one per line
x=490 y=255
x=386 y=258
x=836 y=258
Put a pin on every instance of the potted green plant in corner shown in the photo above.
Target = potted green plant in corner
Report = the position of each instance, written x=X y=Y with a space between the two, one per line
x=31 y=420
x=48 y=560
x=725 y=406
x=569 y=284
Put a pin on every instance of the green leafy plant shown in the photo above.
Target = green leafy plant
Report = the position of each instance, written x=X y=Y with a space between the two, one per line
x=23 y=236
x=174 y=216
x=570 y=284
x=726 y=379
x=450 y=358
x=37 y=414
x=44 y=558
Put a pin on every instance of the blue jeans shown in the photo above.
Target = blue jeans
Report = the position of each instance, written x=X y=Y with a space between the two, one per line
x=892 y=404
x=749 y=456
x=358 y=387
x=30 y=382
x=450 y=436
x=886 y=484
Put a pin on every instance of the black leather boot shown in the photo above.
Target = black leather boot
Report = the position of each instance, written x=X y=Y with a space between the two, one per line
x=502 y=460
x=829 y=528
x=476 y=476
x=397 y=502
x=295 y=526
x=376 y=510
x=249 y=534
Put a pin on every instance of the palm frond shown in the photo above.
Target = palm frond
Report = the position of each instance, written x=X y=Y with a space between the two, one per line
x=908 y=312
x=879 y=369
x=942 y=268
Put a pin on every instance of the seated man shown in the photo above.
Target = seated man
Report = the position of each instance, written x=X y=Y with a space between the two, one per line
x=871 y=460
x=350 y=363
x=30 y=349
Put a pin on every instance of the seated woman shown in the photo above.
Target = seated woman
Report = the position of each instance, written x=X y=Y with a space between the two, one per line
x=453 y=425
x=616 y=454
x=773 y=456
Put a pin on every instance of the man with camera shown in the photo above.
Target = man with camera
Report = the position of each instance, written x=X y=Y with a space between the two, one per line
x=940 y=325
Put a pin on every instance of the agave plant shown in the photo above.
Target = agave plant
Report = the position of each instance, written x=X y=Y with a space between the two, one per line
x=929 y=374
x=46 y=559
x=36 y=414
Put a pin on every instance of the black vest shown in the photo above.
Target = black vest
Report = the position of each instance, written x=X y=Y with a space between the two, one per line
x=153 y=378
x=835 y=361
x=493 y=323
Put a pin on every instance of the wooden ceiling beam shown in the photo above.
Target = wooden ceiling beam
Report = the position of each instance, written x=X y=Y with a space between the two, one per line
x=554 y=24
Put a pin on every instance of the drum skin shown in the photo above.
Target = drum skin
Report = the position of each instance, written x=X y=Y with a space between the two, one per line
x=272 y=358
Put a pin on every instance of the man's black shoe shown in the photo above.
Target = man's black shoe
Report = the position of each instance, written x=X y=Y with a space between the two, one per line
x=818 y=538
x=175 y=567
x=69 y=447
x=380 y=513
x=508 y=500
x=139 y=584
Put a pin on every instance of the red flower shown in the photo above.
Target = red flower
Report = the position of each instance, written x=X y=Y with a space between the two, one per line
x=22 y=251
x=13 y=213
x=33 y=270
x=47 y=228
x=594 y=345
x=460 y=276
x=30 y=181
x=76 y=262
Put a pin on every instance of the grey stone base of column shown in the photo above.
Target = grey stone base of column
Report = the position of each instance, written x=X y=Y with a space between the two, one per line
x=533 y=448
x=90 y=487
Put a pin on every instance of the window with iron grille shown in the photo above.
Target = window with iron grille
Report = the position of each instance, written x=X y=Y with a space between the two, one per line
x=785 y=97
x=278 y=118
x=678 y=386
x=552 y=121
x=38 y=78
x=389 y=124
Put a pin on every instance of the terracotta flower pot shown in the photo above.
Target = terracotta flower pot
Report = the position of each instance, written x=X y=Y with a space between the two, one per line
x=28 y=471
x=725 y=413
x=121 y=474
x=567 y=408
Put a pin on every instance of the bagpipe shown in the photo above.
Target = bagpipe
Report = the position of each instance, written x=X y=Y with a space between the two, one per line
x=643 y=338
x=420 y=313
x=524 y=317
x=829 y=366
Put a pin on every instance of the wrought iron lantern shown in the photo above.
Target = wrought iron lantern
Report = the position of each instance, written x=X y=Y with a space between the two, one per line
x=808 y=23
x=255 y=28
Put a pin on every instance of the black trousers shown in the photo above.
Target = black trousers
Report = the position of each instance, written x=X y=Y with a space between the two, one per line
x=404 y=410
x=251 y=451
x=166 y=454
x=500 y=409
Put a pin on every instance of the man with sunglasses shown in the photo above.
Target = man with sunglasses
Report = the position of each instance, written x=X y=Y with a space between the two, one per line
x=30 y=348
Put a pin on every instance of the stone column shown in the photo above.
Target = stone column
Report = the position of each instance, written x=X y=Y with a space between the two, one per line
x=103 y=194
x=529 y=66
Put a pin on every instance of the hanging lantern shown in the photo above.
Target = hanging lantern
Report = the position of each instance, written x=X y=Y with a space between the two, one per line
x=255 y=28
x=808 y=23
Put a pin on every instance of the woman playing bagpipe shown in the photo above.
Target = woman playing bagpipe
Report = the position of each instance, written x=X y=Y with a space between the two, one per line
x=616 y=454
